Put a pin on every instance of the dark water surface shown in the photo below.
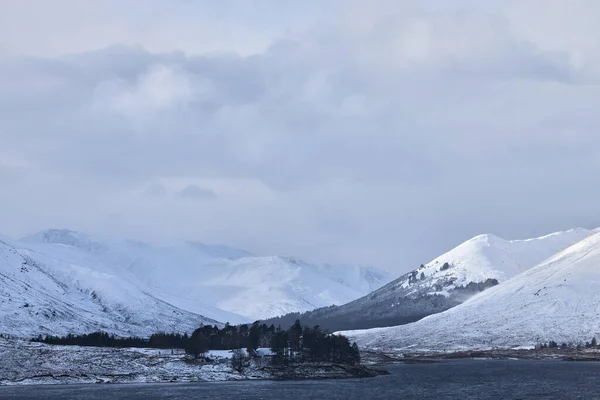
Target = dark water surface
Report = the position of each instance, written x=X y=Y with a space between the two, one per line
x=463 y=379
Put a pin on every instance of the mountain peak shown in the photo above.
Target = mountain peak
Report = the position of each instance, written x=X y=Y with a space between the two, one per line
x=66 y=237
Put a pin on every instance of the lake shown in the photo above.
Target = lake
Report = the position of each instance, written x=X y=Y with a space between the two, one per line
x=460 y=379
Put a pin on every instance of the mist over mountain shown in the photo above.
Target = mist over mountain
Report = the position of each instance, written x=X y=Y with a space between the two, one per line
x=132 y=287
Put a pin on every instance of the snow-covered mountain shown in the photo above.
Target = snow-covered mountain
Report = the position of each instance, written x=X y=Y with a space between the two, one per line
x=207 y=279
x=43 y=295
x=559 y=300
x=446 y=281
x=484 y=257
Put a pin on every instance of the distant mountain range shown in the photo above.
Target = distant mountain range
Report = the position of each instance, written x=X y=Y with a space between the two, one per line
x=557 y=300
x=486 y=292
x=445 y=282
x=61 y=281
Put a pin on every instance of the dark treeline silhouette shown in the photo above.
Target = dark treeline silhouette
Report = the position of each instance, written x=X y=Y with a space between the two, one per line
x=298 y=343
x=564 y=345
x=103 y=339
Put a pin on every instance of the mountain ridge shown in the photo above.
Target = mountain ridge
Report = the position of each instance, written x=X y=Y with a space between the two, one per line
x=448 y=280
x=216 y=281
x=557 y=300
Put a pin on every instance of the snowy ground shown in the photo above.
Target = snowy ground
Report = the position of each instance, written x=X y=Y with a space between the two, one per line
x=36 y=363
x=25 y=363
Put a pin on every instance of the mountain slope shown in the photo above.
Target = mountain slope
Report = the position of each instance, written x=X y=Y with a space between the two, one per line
x=443 y=283
x=55 y=297
x=191 y=274
x=557 y=300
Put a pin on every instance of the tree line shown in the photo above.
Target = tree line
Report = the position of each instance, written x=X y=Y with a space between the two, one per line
x=564 y=345
x=297 y=344
x=103 y=339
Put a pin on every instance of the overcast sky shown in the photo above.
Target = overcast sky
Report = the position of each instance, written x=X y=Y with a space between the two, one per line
x=377 y=132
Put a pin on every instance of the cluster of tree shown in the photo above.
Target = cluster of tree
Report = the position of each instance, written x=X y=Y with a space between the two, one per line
x=103 y=339
x=564 y=345
x=298 y=343
x=312 y=344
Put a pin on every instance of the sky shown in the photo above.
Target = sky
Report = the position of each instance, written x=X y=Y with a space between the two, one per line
x=381 y=133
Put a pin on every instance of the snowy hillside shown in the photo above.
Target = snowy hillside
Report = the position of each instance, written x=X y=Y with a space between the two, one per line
x=443 y=283
x=47 y=296
x=558 y=300
x=207 y=279
x=485 y=257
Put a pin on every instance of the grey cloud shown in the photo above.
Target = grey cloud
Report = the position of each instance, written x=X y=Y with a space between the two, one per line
x=197 y=192
x=155 y=190
x=393 y=140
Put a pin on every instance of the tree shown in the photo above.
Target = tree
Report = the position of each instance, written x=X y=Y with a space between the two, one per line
x=354 y=356
x=254 y=336
x=198 y=344
x=295 y=336
x=278 y=344
x=238 y=360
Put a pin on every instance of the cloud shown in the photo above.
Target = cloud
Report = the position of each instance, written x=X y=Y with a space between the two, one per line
x=160 y=88
x=196 y=192
x=384 y=136
x=155 y=190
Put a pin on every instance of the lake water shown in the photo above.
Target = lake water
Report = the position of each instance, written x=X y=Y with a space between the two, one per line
x=462 y=379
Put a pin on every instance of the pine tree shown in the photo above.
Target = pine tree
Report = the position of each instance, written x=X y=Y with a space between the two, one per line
x=295 y=336
x=198 y=344
x=278 y=344
x=354 y=357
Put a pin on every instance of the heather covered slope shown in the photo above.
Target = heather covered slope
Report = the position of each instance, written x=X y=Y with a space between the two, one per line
x=557 y=300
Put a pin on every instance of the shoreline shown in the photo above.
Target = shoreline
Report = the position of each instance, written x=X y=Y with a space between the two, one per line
x=309 y=373
x=557 y=354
